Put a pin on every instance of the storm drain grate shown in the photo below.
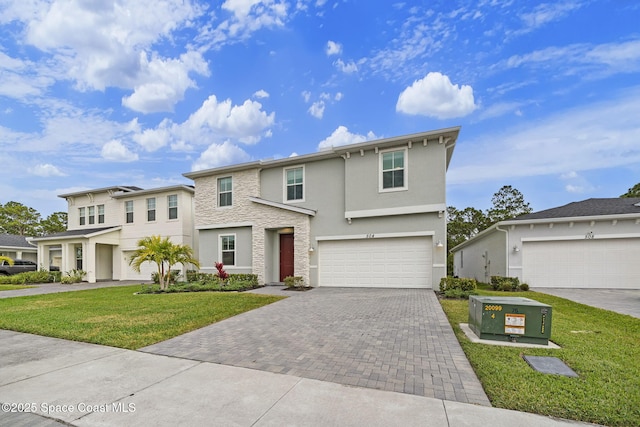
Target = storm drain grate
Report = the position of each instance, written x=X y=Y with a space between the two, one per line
x=549 y=365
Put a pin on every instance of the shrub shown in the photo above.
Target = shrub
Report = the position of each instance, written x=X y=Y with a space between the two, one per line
x=507 y=284
x=462 y=284
x=524 y=287
x=73 y=276
x=173 y=277
x=30 y=277
x=294 y=282
x=223 y=275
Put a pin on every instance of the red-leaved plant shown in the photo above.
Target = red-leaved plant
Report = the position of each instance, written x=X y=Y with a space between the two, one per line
x=223 y=275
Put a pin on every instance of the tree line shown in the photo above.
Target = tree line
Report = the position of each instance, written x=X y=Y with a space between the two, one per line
x=16 y=218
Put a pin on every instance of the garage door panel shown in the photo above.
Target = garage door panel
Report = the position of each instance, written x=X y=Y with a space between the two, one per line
x=387 y=262
x=597 y=263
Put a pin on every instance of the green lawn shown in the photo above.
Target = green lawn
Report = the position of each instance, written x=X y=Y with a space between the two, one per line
x=603 y=347
x=118 y=318
x=13 y=287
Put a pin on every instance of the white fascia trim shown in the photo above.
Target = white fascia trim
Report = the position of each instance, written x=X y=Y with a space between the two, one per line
x=582 y=237
x=297 y=209
x=571 y=219
x=226 y=225
x=403 y=210
x=118 y=228
x=377 y=235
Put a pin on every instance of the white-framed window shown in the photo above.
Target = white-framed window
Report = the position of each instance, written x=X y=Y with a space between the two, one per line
x=92 y=214
x=128 y=211
x=81 y=216
x=393 y=170
x=151 y=209
x=294 y=184
x=172 y=203
x=228 y=249
x=100 y=214
x=225 y=191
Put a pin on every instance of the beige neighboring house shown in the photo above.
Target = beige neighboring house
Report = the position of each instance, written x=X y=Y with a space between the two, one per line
x=18 y=247
x=594 y=243
x=362 y=215
x=105 y=224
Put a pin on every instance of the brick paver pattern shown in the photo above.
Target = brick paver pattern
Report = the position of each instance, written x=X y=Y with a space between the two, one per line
x=388 y=339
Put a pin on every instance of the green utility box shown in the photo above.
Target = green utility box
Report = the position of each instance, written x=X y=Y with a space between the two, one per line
x=510 y=319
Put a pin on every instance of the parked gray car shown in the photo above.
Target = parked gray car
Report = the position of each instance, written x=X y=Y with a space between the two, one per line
x=20 y=266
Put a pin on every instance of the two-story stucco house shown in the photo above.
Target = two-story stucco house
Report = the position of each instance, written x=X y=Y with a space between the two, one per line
x=367 y=214
x=105 y=224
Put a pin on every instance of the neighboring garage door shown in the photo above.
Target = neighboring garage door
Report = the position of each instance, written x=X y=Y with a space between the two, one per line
x=588 y=263
x=403 y=262
x=146 y=269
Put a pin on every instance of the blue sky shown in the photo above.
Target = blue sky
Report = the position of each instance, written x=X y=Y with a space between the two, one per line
x=138 y=92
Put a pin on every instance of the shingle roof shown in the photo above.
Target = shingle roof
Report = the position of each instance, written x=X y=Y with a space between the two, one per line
x=73 y=233
x=589 y=207
x=15 y=241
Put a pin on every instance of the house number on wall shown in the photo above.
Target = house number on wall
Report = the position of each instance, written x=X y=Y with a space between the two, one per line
x=589 y=235
x=370 y=236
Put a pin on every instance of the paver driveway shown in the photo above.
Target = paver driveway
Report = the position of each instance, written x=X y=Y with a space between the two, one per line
x=390 y=339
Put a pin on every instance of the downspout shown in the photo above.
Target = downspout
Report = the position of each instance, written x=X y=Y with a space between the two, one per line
x=506 y=249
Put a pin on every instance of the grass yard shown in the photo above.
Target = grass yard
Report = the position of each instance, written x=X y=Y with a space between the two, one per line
x=602 y=347
x=13 y=287
x=118 y=318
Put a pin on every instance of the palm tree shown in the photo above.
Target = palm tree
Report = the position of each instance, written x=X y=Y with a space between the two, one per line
x=161 y=251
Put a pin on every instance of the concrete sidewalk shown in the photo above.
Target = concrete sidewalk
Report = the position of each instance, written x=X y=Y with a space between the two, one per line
x=53 y=288
x=90 y=385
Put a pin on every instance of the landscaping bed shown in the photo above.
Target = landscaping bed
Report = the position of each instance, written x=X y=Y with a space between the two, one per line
x=601 y=346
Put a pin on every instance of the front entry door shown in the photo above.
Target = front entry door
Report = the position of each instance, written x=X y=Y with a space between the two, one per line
x=286 y=256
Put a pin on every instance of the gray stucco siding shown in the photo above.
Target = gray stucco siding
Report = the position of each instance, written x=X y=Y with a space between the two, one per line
x=209 y=249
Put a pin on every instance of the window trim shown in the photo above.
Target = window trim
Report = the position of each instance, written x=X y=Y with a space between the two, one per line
x=220 y=193
x=221 y=250
x=285 y=185
x=82 y=218
x=405 y=168
x=100 y=214
x=169 y=207
x=128 y=203
x=91 y=213
x=154 y=210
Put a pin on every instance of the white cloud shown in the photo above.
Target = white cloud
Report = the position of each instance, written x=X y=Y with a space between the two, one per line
x=113 y=48
x=220 y=155
x=261 y=94
x=116 y=151
x=317 y=109
x=593 y=136
x=347 y=68
x=246 y=122
x=333 y=48
x=342 y=136
x=436 y=96
x=45 y=170
x=306 y=95
x=154 y=139
x=547 y=12
x=338 y=96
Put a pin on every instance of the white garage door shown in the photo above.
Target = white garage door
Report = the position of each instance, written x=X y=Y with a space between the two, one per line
x=403 y=262
x=146 y=269
x=597 y=263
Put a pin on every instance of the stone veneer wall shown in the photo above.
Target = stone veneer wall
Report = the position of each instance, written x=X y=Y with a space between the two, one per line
x=247 y=184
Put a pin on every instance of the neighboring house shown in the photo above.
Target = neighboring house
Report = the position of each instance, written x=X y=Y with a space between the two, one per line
x=18 y=247
x=367 y=214
x=594 y=243
x=104 y=226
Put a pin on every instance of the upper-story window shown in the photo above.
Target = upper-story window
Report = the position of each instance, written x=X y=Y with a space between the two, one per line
x=151 y=209
x=92 y=214
x=100 y=214
x=225 y=194
x=294 y=184
x=81 y=216
x=172 y=203
x=393 y=170
x=128 y=209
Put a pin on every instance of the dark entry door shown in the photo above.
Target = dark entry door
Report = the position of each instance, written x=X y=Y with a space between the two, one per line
x=286 y=256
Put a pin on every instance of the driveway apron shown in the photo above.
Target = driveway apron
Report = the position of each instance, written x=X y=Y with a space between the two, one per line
x=388 y=339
